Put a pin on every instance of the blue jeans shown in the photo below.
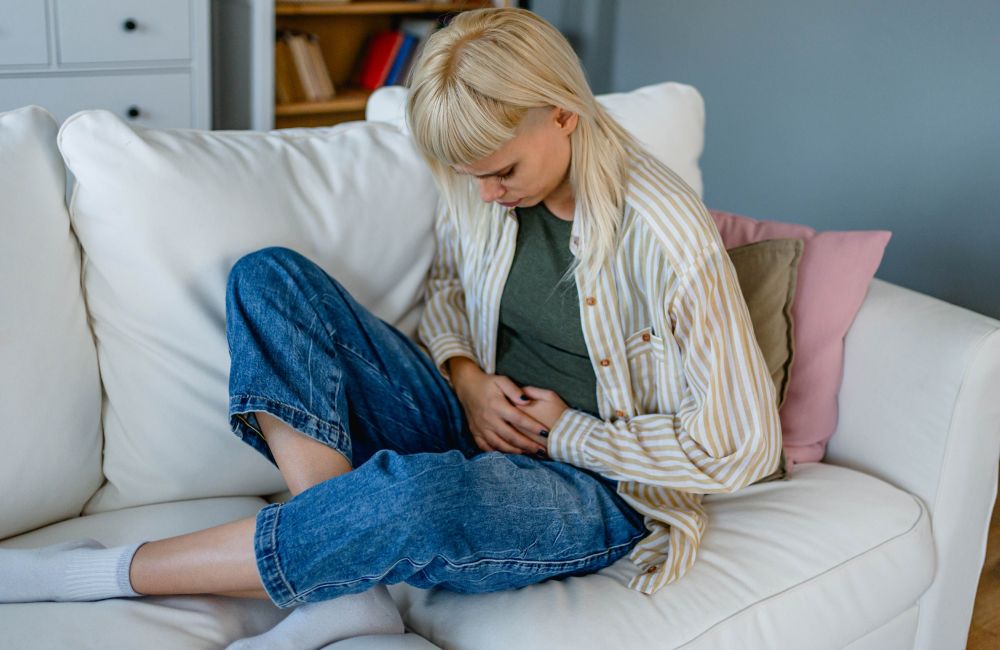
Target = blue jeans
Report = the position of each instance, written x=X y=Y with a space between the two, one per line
x=423 y=504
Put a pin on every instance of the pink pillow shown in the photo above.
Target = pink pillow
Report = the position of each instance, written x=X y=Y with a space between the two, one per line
x=834 y=273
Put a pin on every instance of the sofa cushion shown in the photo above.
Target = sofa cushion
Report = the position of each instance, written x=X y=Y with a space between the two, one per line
x=162 y=215
x=767 y=273
x=667 y=117
x=834 y=274
x=50 y=390
x=154 y=622
x=829 y=555
x=148 y=622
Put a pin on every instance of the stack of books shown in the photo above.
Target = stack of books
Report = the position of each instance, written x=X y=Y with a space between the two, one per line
x=300 y=73
x=390 y=55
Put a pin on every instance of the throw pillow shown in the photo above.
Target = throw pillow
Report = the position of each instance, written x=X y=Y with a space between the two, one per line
x=767 y=272
x=834 y=273
x=668 y=118
x=163 y=214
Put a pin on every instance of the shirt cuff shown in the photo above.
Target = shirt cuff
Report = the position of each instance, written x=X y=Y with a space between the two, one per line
x=569 y=435
x=447 y=346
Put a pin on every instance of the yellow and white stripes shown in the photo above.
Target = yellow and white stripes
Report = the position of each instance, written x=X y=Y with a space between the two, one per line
x=686 y=401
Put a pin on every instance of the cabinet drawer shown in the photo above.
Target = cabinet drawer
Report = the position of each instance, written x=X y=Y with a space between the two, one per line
x=23 y=38
x=162 y=100
x=123 y=30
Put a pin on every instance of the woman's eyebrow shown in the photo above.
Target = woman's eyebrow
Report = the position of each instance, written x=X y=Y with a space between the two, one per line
x=496 y=173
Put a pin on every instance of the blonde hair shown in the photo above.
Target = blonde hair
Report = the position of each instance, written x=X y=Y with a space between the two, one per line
x=475 y=80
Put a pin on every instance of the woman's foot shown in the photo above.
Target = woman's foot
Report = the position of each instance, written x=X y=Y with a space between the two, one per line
x=80 y=569
x=315 y=625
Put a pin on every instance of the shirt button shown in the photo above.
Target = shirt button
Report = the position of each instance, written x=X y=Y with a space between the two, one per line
x=645 y=337
x=652 y=569
x=591 y=301
x=605 y=362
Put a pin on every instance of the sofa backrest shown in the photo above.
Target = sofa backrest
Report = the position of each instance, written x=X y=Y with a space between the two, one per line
x=161 y=216
x=50 y=390
x=667 y=117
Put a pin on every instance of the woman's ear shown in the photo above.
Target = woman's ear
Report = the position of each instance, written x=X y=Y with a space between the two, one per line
x=567 y=120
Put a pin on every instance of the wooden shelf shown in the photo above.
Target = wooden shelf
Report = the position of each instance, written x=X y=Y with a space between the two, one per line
x=344 y=30
x=372 y=8
x=347 y=100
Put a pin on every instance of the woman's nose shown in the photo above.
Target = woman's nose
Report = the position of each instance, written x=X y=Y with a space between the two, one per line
x=490 y=189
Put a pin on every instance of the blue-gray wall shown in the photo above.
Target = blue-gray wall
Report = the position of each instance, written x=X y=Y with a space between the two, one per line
x=840 y=115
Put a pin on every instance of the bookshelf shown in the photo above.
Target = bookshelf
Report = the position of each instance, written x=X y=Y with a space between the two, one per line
x=243 y=54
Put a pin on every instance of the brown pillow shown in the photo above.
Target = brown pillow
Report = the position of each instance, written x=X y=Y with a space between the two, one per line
x=767 y=271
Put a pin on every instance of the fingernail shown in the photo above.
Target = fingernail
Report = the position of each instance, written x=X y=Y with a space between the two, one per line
x=524 y=398
x=540 y=453
x=543 y=433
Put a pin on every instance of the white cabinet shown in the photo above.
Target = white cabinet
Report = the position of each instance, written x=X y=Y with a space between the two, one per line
x=22 y=33
x=146 y=60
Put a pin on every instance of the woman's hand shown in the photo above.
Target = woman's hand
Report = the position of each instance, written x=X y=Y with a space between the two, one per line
x=544 y=405
x=494 y=420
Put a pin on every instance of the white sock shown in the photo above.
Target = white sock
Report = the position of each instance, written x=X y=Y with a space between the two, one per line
x=81 y=569
x=314 y=625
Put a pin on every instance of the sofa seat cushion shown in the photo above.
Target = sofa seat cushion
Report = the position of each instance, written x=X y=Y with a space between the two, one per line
x=772 y=551
x=154 y=622
x=828 y=555
x=149 y=622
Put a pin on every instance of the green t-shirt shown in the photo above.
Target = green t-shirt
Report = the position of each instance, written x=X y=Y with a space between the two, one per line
x=539 y=339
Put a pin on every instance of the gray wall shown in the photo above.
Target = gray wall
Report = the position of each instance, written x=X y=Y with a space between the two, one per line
x=840 y=115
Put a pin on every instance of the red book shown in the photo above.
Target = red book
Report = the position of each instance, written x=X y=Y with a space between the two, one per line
x=378 y=58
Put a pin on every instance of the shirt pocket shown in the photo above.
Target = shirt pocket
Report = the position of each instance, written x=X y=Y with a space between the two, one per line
x=643 y=358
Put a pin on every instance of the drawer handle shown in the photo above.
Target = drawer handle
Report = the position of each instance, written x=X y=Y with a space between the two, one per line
x=133 y=112
x=129 y=25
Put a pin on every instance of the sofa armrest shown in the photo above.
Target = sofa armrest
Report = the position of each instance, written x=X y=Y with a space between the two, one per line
x=919 y=407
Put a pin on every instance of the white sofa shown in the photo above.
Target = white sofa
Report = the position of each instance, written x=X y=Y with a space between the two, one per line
x=114 y=365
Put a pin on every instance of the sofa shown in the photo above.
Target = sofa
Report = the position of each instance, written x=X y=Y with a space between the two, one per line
x=114 y=367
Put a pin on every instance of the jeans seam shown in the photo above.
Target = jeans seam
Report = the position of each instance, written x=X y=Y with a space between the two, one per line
x=272 y=558
x=514 y=563
x=336 y=428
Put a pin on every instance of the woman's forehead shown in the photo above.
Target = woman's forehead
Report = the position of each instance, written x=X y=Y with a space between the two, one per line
x=513 y=148
x=496 y=162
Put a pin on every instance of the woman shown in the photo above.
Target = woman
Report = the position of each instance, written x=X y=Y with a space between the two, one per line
x=587 y=371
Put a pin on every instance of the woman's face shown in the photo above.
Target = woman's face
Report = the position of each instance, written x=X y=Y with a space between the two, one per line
x=531 y=165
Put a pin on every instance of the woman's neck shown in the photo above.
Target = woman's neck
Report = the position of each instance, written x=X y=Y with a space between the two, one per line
x=561 y=201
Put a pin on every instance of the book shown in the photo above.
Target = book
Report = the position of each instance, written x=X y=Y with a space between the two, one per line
x=379 y=55
x=300 y=58
x=287 y=86
x=421 y=28
x=402 y=57
x=307 y=67
x=325 y=89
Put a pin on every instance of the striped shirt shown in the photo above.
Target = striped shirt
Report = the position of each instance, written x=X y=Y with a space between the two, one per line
x=686 y=401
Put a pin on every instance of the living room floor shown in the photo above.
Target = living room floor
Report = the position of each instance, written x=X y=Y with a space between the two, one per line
x=984 y=633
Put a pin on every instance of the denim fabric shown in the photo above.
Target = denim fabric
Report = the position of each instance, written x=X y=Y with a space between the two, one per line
x=423 y=504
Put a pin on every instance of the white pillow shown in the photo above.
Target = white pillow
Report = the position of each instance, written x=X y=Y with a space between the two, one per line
x=668 y=117
x=50 y=390
x=162 y=215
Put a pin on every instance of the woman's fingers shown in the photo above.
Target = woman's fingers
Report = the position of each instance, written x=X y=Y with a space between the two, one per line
x=510 y=435
x=525 y=424
x=499 y=444
x=510 y=390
